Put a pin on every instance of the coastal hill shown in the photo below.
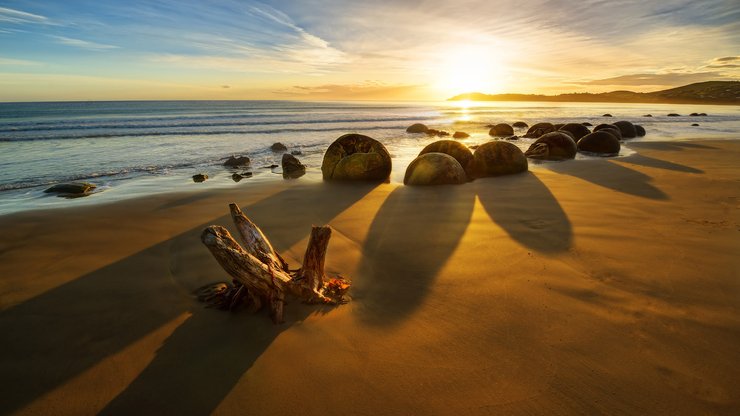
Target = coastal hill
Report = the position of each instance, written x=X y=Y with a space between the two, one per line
x=710 y=92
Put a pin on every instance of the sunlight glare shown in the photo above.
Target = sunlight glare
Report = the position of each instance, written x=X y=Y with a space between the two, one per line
x=470 y=69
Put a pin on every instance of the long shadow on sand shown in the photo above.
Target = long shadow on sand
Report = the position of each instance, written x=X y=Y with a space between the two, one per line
x=524 y=207
x=650 y=162
x=395 y=278
x=60 y=334
x=612 y=175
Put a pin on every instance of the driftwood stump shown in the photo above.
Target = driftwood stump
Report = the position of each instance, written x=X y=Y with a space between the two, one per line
x=261 y=276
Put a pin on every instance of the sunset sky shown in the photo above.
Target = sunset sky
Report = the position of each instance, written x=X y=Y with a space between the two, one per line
x=330 y=49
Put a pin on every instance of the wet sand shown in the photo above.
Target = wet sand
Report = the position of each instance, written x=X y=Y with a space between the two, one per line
x=592 y=287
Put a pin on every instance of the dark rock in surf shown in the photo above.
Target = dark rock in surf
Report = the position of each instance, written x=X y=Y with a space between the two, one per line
x=639 y=130
x=539 y=129
x=611 y=128
x=607 y=115
x=501 y=129
x=279 y=147
x=626 y=128
x=599 y=142
x=578 y=130
x=71 y=189
x=200 y=177
x=234 y=161
x=553 y=146
x=460 y=135
x=520 y=125
x=417 y=128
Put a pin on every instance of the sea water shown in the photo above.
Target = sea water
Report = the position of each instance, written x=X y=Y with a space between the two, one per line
x=140 y=148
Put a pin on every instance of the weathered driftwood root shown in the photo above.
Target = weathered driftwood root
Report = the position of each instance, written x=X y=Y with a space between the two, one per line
x=261 y=276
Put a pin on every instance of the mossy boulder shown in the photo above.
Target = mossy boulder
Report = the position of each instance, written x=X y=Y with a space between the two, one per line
x=501 y=129
x=599 y=142
x=539 y=129
x=496 y=159
x=577 y=130
x=417 y=128
x=553 y=146
x=356 y=157
x=457 y=150
x=434 y=169
x=626 y=128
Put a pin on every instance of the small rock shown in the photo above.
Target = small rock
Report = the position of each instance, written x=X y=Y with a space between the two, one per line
x=296 y=153
x=520 y=125
x=71 y=188
x=234 y=161
x=512 y=138
x=695 y=125
x=292 y=167
x=648 y=115
x=460 y=135
x=674 y=115
x=278 y=147
x=417 y=128
x=607 y=115
x=239 y=176
x=201 y=177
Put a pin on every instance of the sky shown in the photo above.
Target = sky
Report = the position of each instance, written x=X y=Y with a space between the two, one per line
x=359 y=50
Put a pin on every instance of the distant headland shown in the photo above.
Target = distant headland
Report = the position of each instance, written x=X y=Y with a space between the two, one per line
x=710 y=92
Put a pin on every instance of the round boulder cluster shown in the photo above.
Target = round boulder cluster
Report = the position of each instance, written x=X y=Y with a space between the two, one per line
x=355 y=157
x=577 y=130
x=553 y=146
x=599 y=142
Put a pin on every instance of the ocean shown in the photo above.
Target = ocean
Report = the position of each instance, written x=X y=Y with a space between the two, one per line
x=139 y=148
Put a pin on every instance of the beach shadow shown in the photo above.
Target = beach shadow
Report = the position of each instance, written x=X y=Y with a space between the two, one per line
x=650 y=162
x=395 y=278
x=56 y=336
x=672 y=146
x=523 y=206
x=611 y=175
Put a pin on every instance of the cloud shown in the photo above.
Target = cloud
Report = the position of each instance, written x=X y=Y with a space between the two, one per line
x=84 y=44
x=16 y=16
x=671 y=78
x=727 y=62
x=21 y=62
x=367 y=90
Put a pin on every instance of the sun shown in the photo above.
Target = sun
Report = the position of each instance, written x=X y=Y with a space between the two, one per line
x=470 y=69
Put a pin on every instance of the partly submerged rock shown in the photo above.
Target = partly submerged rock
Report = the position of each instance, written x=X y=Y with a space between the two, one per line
x=434 y=169
x=239 y=176
x=292 y=167
x=674 y=115
x=607 y=115
x=417 y=128
x=497 y=158
x=72 y=189
x=626 y=128
x=460 y=135
x=647 y=115
x=553 y=146
x=200 y=177
x=520 y=125
x=695 y=125
x=539 y=129
x=234 y=161
x=577 y=130
x=639 y=130
x=356 y=157
x=599 y=142
x=279 y=147
x=501 y=129
x=612 y=129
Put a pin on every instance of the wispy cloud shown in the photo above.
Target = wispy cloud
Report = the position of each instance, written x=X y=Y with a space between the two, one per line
x=18 y=62
x=84 y=44
x=17 y=16
x=367 y=90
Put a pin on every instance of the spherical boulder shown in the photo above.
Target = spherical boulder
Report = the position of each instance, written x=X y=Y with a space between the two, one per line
x=626 y=128
x=639 y=130
x=599 y=142
x=501 y=129
x=417 y=128
x=355 y=157
x=520 y=125
x=578 y=130
x=460 y=135
x=553 y=146
x=558 y=126
x=497 y=158
x=611 y=128
x=539 y=129
x=457 y=150
x=434 y=169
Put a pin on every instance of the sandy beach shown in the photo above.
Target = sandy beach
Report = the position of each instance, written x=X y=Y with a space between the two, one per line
x=606 y=286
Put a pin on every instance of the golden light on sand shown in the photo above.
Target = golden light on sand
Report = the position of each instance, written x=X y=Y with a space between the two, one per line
x=470 y=69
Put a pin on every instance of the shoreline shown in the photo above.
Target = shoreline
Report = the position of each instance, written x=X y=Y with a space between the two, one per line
x=589 y=287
